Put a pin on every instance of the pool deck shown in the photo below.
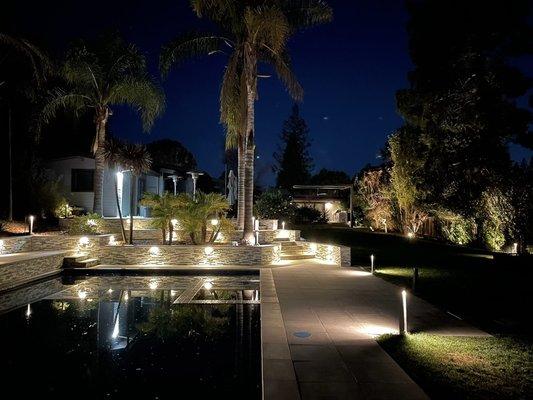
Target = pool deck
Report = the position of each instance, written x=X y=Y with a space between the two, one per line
x=319 y=324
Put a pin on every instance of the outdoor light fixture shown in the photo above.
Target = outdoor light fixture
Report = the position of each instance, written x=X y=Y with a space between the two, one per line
x=208 y=250
x=91 y=222
x=172 y=293
x=154 y=251
x=153 y=285
x=403 y=318
x=174 y=222
x=82 y=294
x=208 y=285
x=84 y=241
x=31 y=219
x=114 y=335
x=328 y=206
x=214 y=222
x=515 y=248
x=283 y=225
x=372 y=263
x=410 y=235
x=110 y=291
x=112 y=241
x=314 y=247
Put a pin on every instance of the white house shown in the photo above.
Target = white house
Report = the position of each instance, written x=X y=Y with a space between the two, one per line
x=76 y=176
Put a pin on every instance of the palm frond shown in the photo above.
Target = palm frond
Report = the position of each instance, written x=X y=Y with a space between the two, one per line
x=136 y=158
x=141 y=93
x=61 y=99
x=40 y=62
x=281 y=63
x=267 y=25
x=82 y=68
x=302 y=14
x=233 y=101
x=189 y=46
x=113 y=149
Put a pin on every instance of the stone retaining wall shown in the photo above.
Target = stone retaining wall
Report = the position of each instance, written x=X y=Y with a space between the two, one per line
x=186 y=255
x=338 y=255
x=73 y=243
x=19 y=272
x=14 y=244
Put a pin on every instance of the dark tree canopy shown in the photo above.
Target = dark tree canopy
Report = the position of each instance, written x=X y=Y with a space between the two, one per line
x=171 y=154
x=462 y=92
x=294 y=164
x=330 y=177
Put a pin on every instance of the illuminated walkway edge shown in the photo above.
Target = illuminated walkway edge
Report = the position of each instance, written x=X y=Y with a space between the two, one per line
x=318 y=328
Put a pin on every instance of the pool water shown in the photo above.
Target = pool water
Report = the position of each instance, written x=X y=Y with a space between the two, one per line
x=118 y=337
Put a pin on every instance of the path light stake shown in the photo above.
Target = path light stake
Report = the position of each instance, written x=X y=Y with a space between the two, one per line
x=415 y=278
x=372 y=263
x=31 y=218
x=403 y=314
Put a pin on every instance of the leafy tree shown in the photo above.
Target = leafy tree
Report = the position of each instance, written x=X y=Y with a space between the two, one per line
x=373 y=196
x=463 y=91
x=294 y=162
x=330 y=177
x=100 y=75
x=252 y=32
x=136 y=159
x=171 y=154
x=407 y=156
x=275 y=204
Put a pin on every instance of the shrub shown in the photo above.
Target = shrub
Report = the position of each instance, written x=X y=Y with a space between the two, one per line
x=89 y=224
x=63 y=209
x=495 y=212
x=274 y=204
x=455 y=227
x=308 y=215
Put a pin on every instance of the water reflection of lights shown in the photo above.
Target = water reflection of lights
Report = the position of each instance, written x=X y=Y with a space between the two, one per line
x=28 y=311
x=153 y=285
x=110 y=291
x=172 y=293
x=114 y=335
x=126 y=296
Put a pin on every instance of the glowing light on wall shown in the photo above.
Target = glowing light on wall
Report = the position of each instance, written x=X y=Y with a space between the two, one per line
x=172 y=293
x=112 y=241
x=82 y=294
x=91 y=222
x=110 y=291
x=154 y=251
x=328 y=206
x=208 y=250
x=313 y=247
x=153 y=285
x=208 y=285
x=83 y=241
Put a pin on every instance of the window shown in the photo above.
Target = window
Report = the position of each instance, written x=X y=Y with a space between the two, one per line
x=82 y=180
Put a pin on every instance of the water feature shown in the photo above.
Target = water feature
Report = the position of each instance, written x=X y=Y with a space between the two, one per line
x=135 y=337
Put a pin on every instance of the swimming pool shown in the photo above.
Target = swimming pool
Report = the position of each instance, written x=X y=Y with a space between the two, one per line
x=135 y=337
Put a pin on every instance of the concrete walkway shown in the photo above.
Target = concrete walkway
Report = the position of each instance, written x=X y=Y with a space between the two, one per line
x=318 y=328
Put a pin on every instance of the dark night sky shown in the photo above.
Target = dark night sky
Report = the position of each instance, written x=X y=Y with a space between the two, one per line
x=350 y=70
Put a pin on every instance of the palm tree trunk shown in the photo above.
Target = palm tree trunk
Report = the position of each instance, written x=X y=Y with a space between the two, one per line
x=132 y=190
x=120 y=212
x=251 y=74
x=240 y=183
x=99 y=160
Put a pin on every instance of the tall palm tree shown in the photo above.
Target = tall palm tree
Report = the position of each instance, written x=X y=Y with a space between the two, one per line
x=136 y=159
x=40 y=67
x=250 y=32
x=113 y=149
x=101 y=75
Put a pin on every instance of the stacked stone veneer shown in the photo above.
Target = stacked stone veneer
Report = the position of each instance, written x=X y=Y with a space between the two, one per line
x=73 y=243
x=19 y=272
x=338 y=255
x=187 y=255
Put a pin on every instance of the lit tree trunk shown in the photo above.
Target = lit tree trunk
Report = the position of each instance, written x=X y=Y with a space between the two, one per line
x=249 y=145
x=240 y=183
x=99 y=159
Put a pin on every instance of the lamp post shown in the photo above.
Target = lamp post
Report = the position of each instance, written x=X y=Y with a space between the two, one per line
x=175 y=179
x=31 y=218
x=194 y=175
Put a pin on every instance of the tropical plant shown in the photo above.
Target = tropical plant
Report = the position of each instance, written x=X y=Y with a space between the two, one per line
x=274 y=204
x=113 y=149
x=251 y=32
x=85 y=224
x=164 y=208
x=100 y=75
x=63 y=209
x=136 y=159
x=195 y=214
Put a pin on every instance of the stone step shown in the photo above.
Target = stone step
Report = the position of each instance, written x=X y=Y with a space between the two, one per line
x=288 y=244
x=294 y=250
x=297 y=257
x=88 y=263
x=281 y=239
x=71 y=260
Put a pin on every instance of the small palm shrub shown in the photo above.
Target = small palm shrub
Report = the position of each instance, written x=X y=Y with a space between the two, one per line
x=88 y=224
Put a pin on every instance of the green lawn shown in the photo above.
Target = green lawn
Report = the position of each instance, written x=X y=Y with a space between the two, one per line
x=468 y=283
x=461 y=280
x=465 y=368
